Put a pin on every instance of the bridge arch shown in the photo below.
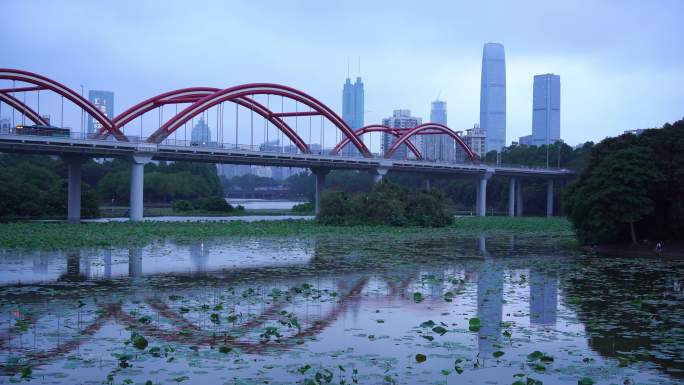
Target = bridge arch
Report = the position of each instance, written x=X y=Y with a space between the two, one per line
x=42 y=83
x=23 y=108
x=183 y=95
x=242 y=95
x=428 y=129
x=377 y=128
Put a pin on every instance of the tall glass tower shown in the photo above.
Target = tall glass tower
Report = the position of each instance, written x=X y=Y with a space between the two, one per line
x=352 y=109
x=546 y=109
x=493 y=95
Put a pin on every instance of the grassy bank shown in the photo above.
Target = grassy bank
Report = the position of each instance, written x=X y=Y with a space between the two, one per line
x=37 y=235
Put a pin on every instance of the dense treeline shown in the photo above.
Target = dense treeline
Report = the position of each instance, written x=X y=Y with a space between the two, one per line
x=386 y=204
x=164 y=182
x=36 y=186
x=632 y=188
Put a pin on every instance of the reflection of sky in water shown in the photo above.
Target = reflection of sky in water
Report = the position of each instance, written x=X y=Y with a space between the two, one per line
x=360 y=313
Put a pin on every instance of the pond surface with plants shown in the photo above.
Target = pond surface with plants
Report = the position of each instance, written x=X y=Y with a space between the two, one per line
x=490 y=309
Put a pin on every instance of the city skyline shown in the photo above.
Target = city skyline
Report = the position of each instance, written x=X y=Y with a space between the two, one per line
x=638 y=91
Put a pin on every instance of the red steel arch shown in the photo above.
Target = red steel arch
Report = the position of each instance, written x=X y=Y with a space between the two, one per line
x=377 y=128
x=242 y=93
x=194 y=94
x=183 y=95
x=430 y=128
x=45 y=83
x=23 y=108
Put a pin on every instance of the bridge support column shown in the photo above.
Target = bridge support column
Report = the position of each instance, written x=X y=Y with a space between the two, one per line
x=379 y=174
x=519 y=198
x=428 y=183
x=74 y=164
x=482 y=194
x=137 y=186
x=320 y=174
x=511 y=197
x=549 y=198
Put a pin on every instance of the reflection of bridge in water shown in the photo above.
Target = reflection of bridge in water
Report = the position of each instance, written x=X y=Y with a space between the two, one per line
x=173 y=304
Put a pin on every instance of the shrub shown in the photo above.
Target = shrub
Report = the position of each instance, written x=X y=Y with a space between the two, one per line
x=216 y=204
x=427 y=209
x=306 y=207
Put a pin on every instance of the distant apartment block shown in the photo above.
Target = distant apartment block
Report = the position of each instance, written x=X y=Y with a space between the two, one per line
x=400 y=119
x=476 y=139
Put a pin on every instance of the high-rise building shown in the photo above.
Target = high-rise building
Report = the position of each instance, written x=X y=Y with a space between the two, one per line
x=401 y=119
x=201 y=134
x=438 y=147
x=352 y=110
x=546 y=109
x=104 y=101
x=5 y=125
x=493 y=95
x=525 y=140
x=476 y=139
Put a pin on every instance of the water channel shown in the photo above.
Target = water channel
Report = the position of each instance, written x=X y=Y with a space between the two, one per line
x=493 y=308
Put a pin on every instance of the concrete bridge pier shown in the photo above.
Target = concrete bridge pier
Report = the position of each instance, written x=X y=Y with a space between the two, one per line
x=320 y=174
x=482 y=194
x=74 y=164
x=137 y=186
x=549 y=198
x=379 y=174
x=428 y=184
x=519 y=198
x=511 y=197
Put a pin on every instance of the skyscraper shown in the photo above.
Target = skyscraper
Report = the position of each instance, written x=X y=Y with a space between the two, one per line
x=401 y=119
x=546 y=109
x=493 y=95
x=435 y=147
x=200 y=135
x=104 y=101
x=352 y=109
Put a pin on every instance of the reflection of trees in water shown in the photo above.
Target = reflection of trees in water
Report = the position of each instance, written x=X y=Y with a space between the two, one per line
x=630 y=310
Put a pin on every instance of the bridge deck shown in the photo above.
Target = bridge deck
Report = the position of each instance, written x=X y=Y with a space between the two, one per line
x=165 y=152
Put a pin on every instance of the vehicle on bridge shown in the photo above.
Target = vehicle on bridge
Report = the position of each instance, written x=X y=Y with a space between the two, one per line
x=42 y=130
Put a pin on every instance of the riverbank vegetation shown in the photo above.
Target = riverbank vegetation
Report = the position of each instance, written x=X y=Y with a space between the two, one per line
x=632 y=188
x=386 y=204
x=60 y=235
x=35 y=186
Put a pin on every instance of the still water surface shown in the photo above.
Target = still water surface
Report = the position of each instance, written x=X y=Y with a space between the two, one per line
x=491 y=309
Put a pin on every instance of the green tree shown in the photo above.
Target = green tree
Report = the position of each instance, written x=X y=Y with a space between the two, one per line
x=616 y=191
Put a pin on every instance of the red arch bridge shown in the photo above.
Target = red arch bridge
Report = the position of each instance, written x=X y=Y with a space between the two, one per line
x=295 y=129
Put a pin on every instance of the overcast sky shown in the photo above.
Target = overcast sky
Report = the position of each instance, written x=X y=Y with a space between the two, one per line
x=621 y=62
